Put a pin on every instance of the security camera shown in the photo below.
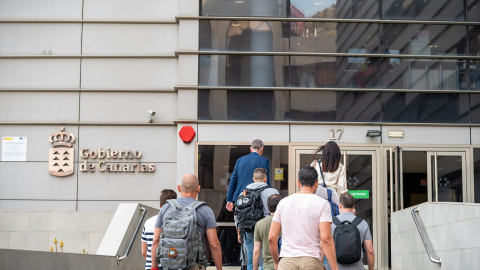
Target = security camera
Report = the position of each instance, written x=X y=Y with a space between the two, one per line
x=151 y=113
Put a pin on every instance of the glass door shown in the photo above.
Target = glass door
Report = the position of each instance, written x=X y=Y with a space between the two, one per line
x=418 y=176
x=360 y=166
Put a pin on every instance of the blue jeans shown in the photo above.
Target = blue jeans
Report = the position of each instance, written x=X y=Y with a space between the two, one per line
x=248 y=240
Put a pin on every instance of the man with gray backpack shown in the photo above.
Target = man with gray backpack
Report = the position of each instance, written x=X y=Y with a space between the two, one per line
x=180 y=229
x=350 y=233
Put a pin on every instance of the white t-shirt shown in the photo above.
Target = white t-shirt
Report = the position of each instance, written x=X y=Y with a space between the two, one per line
x=147 y=236
x=299 y=216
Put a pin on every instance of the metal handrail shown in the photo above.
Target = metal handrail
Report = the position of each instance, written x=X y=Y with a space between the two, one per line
x=420 y=231
x=133 y=237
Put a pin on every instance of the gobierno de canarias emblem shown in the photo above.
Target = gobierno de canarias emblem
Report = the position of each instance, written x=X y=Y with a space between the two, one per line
x=61 y=158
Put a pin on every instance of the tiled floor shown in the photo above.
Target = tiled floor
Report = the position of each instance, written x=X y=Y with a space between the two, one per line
x=225 y=268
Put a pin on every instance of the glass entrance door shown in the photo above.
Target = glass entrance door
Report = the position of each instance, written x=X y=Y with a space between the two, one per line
x=418 y=176
x=361 y=171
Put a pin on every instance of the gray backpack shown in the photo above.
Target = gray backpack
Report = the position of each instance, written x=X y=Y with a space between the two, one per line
x=181 y=244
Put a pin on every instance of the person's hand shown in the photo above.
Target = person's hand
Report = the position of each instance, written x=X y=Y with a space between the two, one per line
x=239 y=237
x=230 y=206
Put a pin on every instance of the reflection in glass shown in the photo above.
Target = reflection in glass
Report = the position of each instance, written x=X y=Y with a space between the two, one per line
x=451 y=10
x=335 y=106
x=343 y=9
x=474 y=50
x=243 y=105
x=425 y=108
x=422 y=74
x=242 y=70
x=423 y=39
x=243 y=36
x=243 y=8
x=415 y=185
x=449 y=178
x=475 y=107
x=334 y=37
x=473 y=10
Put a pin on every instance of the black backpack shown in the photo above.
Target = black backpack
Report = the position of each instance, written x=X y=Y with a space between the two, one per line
x=348 y=244
x=249 y=209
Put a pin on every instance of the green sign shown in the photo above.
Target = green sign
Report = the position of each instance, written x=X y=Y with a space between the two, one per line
x=360 y=194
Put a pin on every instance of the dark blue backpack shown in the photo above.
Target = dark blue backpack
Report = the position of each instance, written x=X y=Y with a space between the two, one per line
x=333 y=206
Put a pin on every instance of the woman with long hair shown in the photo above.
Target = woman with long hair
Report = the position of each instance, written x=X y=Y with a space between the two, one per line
x=334 y=175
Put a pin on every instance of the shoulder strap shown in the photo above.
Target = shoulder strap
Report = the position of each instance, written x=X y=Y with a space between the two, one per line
x=336 y=221
x=321 y=172
x=196 y=204
x=173 y=203
x=357 y=221
x=329 y=192
x=258 y=189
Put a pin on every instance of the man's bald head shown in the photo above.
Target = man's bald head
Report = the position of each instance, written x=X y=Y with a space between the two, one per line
x=189 y=183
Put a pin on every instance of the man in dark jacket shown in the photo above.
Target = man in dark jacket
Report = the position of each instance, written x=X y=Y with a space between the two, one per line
x=243 y=171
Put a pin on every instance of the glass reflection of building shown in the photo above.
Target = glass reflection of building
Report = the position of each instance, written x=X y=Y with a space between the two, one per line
x=345 y=61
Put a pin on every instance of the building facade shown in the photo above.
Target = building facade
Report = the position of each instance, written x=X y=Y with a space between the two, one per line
x=108 y=87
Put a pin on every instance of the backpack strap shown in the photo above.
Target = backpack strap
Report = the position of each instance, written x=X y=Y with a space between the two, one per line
x=173 y=203
x=329 y=192
x=321 y=172
x=336 y=221
x=196 y=204
x=357 y=221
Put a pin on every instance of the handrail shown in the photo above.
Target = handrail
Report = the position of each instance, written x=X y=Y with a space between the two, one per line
x=133 y=237
x=420 y=231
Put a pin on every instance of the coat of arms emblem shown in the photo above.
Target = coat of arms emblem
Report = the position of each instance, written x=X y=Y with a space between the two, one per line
x=61 y=156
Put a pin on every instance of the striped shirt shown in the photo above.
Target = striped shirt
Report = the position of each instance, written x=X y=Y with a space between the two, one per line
x=147 y=236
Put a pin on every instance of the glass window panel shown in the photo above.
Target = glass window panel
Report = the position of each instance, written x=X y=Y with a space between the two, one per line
x=244 y=8
x=335 y=106
x=243 y=105
x=422 y=74
x=414 y=173
x=474 y=50
x=423 y=9
x=215 y=166
x=473 y=10
x=250 y=36
x=341 y=72
x=475 y=103
x=335 y=37
x=243 y=70
x=449 y=178
x=343 y=9
x=476 y=173
x=423 y=39
x=425 y=108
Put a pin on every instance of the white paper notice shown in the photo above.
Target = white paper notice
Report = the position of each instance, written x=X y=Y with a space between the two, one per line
x=14 y=149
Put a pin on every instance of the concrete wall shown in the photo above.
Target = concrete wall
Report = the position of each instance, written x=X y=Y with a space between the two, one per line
x=102 y=100
x=36 y=230
x=452 y=233
x=115 y=242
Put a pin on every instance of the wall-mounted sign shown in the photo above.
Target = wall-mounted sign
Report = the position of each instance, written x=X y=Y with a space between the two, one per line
x=61 y=157
x=131 y=159
x=14 y=149
x=360 y=194
x=278 y=173
x=61 y=160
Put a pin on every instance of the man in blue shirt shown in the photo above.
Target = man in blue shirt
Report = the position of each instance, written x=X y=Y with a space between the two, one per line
x=243 y=171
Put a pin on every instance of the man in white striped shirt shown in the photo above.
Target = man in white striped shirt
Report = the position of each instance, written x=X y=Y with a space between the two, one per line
x=147 y=233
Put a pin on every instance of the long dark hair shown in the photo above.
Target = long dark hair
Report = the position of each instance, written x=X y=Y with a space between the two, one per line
x=331 y=156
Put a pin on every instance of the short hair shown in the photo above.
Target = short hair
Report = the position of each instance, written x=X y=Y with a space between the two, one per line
x=257 y=144
x=273 y=201
x=347 y=200
x=166 y=195
x=189 y=183
x=259 y=174
x=307 y=176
